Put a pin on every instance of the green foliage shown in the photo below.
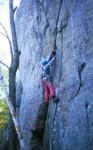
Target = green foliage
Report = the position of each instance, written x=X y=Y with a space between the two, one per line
x=4 y=113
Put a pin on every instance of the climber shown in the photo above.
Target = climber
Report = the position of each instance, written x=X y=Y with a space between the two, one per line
x=46 y=77
x=39 y=126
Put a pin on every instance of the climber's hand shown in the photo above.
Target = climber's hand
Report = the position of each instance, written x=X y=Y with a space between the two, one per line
x=54 y=52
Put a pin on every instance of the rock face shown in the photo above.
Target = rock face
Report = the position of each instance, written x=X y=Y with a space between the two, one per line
x=68 y=24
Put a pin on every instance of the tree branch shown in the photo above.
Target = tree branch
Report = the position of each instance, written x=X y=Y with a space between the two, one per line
x=7 y=36
x=12 y=25
x=4 y=65
x=15 y=9
x=3 y=34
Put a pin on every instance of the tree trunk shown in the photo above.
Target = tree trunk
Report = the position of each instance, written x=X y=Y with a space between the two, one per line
x=12 y=136
x=11 y=97
x=12 y=77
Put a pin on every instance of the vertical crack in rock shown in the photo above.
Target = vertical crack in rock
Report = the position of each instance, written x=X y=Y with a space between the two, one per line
x=60 y=73
x=88 y=143
x=55 y=32
x=53 y=127
x=55 y=47
x=45 y=12
x=64 y=24
x=64 y=14
x=80 y=69
x=39 y=127
x=55 y=38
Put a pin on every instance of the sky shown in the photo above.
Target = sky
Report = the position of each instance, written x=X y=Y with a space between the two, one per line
x=4 y=19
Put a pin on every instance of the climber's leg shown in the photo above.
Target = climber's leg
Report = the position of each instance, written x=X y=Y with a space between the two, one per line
x=52 y=92
x=51 y=89
x=46 y=93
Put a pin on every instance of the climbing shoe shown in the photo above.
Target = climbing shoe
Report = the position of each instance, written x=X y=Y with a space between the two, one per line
x=55 y=99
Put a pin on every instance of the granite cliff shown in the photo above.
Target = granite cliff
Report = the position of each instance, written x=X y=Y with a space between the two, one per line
x=68 y=24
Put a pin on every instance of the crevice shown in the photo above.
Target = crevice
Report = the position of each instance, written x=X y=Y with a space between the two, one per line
x=45 y=29
x=80 y=69
x=47 y=25
x=87 y=121
x=55 y=37
x=54 y=48
x=55 y=32
x=60 y=73
x=61 y=30
x=54 y=120
x=86 y=104
x=59 y=13
x=39 y=127
x=64 y=15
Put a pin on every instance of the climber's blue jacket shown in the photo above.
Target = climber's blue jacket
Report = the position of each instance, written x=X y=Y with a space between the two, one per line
x=46 y=63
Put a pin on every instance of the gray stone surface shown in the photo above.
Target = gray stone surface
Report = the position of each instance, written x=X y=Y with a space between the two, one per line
x=71 y=126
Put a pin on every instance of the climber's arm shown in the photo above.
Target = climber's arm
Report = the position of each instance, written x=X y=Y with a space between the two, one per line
x=49 y=64
x=51 y=55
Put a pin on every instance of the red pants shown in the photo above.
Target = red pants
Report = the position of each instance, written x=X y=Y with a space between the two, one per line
x=48 y=90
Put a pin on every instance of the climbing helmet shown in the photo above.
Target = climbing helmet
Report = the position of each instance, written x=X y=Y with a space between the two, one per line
x=44 y=62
